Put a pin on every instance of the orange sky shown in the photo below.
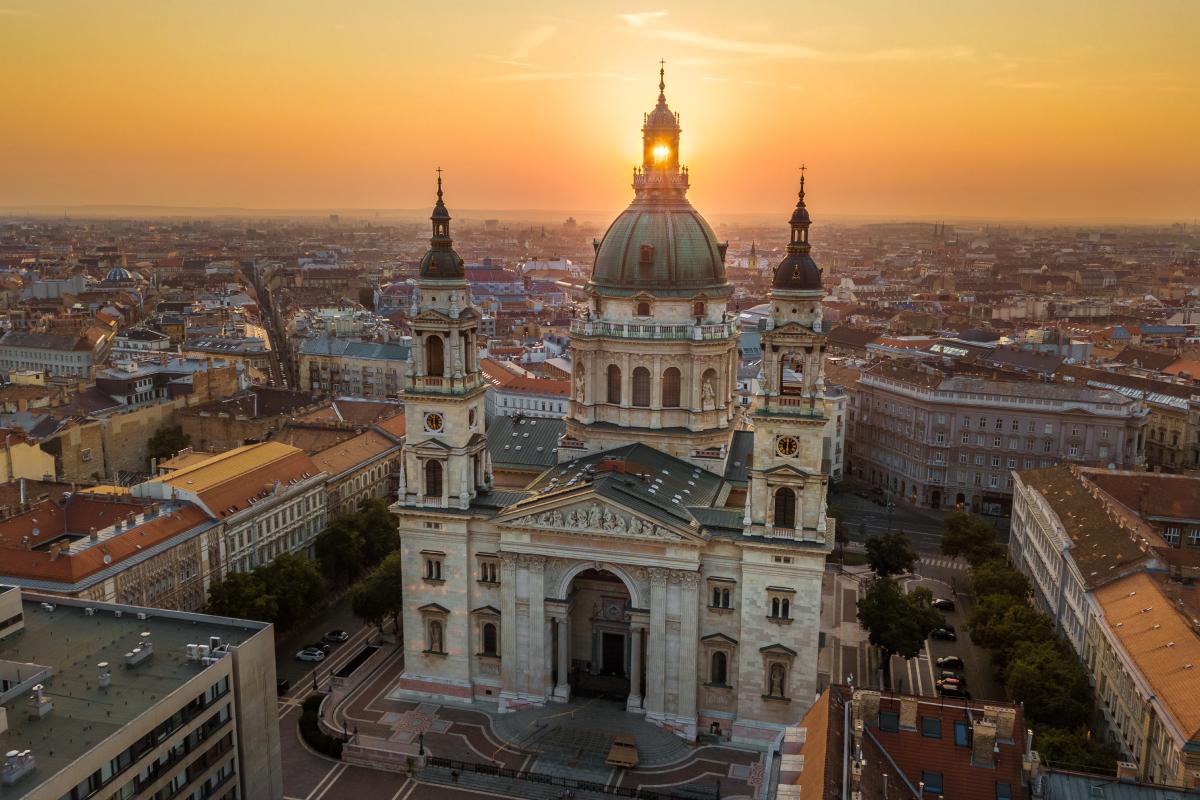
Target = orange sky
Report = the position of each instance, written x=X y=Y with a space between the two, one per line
x=1065 y=110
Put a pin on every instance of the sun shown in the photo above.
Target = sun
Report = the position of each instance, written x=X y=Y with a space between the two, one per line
x=661 y=153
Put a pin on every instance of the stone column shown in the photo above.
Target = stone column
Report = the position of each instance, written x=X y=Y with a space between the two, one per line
x=634 y=702
x=562 y=689
x=508 y=628
x=688 y=642
x=548 y=661
x=537 y=625
x=656 y=664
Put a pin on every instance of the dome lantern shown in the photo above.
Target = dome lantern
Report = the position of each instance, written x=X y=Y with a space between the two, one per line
x=797 y=271
x=440 y=261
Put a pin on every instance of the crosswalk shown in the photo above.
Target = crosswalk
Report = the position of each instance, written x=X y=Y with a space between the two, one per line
x=944 y=562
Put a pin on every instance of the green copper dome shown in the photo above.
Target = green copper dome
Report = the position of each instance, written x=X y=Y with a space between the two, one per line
x=659 y=247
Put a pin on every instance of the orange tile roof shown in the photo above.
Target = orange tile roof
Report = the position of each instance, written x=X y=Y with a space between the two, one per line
x=1159 y=641
x=352 y=452
x=393 y=425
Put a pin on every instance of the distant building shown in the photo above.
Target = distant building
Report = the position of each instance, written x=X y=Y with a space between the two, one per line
x=72 y=357
x=140 y=341
x=128 y=701
x=515 y=392
x=941 y=440
x=334 y=366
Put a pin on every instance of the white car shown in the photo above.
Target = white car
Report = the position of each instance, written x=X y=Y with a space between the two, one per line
x=310 y=654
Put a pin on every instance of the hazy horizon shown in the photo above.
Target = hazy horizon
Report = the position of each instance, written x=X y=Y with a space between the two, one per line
x=1022 y=111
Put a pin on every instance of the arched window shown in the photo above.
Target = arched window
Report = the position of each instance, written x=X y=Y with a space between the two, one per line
x=775 y=607
x=698 y=308
x=435 y=362
x=433 y=479
x=643 y=309
x=785 y=508
x=641 y=387
x=489 y=639
x=614 y=384
x=670 y=388
x=719 y=670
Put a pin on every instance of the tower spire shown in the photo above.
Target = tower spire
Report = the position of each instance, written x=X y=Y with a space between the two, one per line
x=662 y=80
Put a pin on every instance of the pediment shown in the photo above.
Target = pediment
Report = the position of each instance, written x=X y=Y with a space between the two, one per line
x=595 y=517
x=435 y=445
x=788 y=469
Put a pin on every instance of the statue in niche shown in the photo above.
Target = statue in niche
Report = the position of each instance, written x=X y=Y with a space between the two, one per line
x=778 y=675
x=707 y=395
x=579 y=382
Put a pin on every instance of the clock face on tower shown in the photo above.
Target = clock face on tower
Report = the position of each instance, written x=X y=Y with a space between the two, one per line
x=787 y=446
x=434 y=422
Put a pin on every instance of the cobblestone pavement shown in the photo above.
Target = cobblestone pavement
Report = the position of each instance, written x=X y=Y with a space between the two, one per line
x=469 y=734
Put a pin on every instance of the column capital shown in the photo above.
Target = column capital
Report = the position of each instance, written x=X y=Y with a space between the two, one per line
x=531 y=561
x=658 y=575
x=508 y=562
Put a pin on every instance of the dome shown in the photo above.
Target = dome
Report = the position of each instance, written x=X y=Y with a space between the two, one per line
x=118 y=275
x=798 y=273
x=443 y=264
x=659 y=247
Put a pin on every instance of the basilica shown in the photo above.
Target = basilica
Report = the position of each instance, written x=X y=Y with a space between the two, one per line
x=673 y=556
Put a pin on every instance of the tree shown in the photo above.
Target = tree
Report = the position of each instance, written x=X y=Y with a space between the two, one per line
x=898 y=623
x=1051 y=683
x=380 y=534
x=971 y=537
x=339 y=549
x=996 y=577
x=166 y=442
x=380 y=594
x=241 y=595
x=1061 y=747
x=1001 y=624
x=890 y=554
x=297 y=584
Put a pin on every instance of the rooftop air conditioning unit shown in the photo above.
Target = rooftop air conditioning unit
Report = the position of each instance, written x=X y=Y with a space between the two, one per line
x=89 y=612
x=142 y=615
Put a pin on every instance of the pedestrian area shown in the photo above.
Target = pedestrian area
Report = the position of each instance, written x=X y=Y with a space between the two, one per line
x=536 y=753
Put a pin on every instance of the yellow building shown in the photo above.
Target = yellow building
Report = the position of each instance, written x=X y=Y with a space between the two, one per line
x=23 y=459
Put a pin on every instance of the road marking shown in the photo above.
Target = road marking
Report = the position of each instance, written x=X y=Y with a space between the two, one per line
x=338 y=768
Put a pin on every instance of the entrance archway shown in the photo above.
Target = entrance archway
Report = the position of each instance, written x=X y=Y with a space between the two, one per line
x=599 y=652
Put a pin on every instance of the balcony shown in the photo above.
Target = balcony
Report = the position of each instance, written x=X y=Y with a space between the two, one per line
x=654 y=330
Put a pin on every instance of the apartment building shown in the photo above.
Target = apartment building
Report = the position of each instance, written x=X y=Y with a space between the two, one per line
x=59 y=356
x=335 y=366
x=363 y=467
x=952 y=440
x=111 y=700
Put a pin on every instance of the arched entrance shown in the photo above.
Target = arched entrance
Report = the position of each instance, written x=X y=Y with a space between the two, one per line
x=600 y=650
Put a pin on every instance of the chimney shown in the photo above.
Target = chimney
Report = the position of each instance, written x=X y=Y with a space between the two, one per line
x=865 y=706
x=92 y=534
x=1127 y=772
x=983 y=742
x=908 y=713
x=1005 y=718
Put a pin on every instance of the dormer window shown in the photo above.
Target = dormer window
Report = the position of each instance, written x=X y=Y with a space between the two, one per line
x=646 y=256
x=643 y=309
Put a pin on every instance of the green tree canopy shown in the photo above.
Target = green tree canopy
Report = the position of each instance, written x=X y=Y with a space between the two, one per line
x=1061 y=747
x=897 y=622
x=297 y=584
x=339 y=549
x=997 y=577
x=380 y=534
x=1051 y=683
x=1002 y=623
x=890 y=554
x=380 y=594
x=166 y=442
x=971 y=537
x=242 y=595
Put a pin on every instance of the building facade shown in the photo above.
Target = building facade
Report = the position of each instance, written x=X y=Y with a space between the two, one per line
x=347 y=367
x=630 y=567
x=946 y=441
x=136 y=708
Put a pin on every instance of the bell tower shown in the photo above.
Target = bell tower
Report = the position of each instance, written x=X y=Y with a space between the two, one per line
x=788 y=479
x=445 y=458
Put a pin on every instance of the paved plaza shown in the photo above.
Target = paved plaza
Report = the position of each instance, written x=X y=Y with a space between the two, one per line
x=569 y=741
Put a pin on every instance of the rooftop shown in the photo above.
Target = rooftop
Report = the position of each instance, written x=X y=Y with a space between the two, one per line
x=72 y=644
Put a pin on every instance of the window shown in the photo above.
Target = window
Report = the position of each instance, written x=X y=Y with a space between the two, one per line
x=1172 y=536
x=995 y=461
x=966 y=422
x=1047 y=446
x=1027 y=463
x=1049 y=428
x=670 y=388
x=1016 y=424
x=931 y=727
x=1003 y=791
x=963 y=458
x=961 y=733
x=982 y=423
x=490 y=637
x=1194 y=537
x=1104 y=433
x=979 y=459
x=614 y=384
x=434 y=356
x=643 y=309
x=1074 y=430
x=932 y=782
x=433 y=478
x=698 y=308
x=785 y=508
x=489 y=571
x=999 y=424
x=718 y=669
x=997 y=441
x=889 y=721
x=781 y=607
x=1073 y=451
x=966 y=438
x=641 y=387
x=721 y=597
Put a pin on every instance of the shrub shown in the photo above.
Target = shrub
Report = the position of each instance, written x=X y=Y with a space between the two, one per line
x=310 y=728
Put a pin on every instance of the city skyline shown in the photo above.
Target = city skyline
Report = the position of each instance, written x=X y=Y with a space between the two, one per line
x=1017 y=113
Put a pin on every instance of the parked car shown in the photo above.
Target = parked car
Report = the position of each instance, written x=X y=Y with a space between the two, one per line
x=942 y=604
x=953 y=690
x=950 y=662
x=322 y=646
x=952 y=681
x=947 y=633
x=948 y=675
x=310 y=654
x=337 y=636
